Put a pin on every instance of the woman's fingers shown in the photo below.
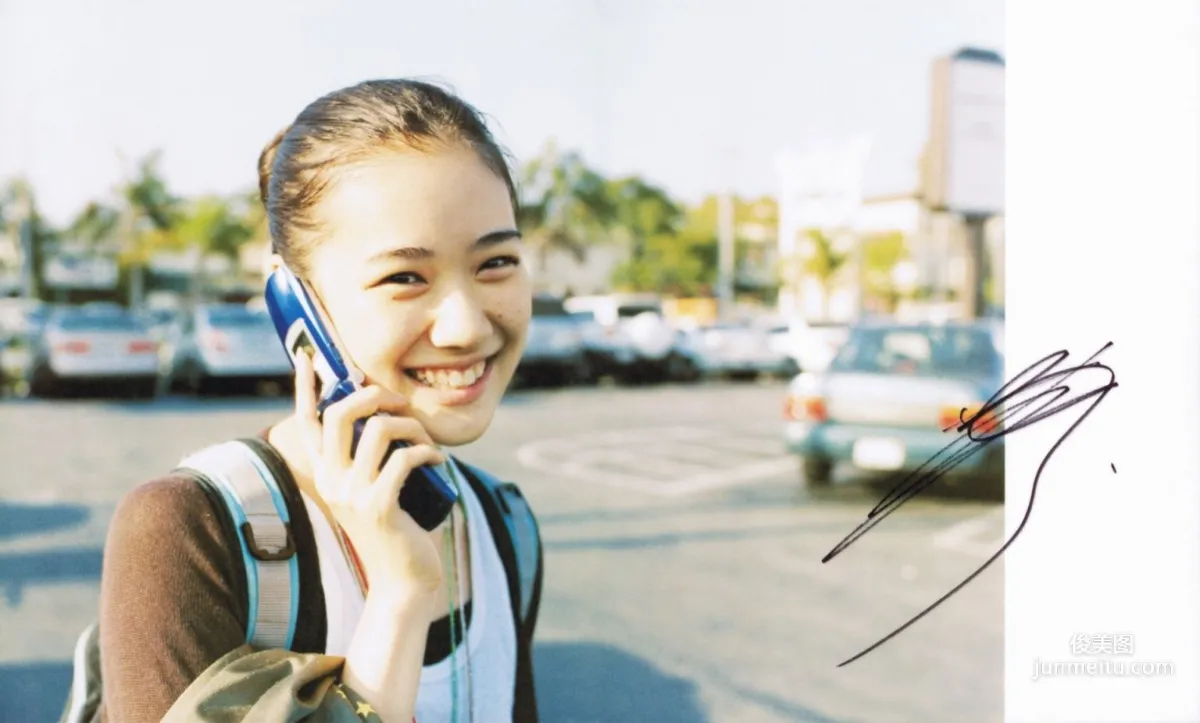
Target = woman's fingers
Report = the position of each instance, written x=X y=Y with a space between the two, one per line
x=385 y=493
x=379 y=433
x=339 y=418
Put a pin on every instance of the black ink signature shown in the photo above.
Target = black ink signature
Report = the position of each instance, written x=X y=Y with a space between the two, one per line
x=991 y=416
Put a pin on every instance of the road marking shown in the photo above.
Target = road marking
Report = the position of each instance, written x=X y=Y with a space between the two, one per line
x=964 y=536
x=666 y=461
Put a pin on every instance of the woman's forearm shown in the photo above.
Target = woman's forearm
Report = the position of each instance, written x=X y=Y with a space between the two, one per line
x=383 y=665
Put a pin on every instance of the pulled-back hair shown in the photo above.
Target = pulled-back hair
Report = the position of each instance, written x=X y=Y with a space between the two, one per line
x=297 y=167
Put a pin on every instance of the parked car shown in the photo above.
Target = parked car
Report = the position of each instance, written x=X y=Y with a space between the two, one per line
x=16 y=358
x=554 y=347
x=739 y=349
x=21 y=324
x=161 y=321
x=811 y=344
x=598 y=347
x=225 y=343
x=102 y=344
x=887 y=397
x=642 y=344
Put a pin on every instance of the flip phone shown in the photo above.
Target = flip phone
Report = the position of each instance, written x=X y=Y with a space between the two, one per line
x=301 y=324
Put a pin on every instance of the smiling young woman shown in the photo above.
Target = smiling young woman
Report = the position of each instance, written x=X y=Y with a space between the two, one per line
x=393 y=203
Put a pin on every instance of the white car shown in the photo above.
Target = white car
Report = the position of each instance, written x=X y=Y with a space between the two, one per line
x=740 y=350
x=104 y=345
x=641 y=342
x=227 y=343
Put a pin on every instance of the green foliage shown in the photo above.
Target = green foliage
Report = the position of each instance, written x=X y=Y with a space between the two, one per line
x=680 y=253
x=826 y=260
x=566 y=205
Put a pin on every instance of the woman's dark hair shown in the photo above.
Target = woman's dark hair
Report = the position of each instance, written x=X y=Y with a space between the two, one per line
x=297 y=167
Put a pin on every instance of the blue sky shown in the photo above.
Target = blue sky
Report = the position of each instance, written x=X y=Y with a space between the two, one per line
x=694 y=95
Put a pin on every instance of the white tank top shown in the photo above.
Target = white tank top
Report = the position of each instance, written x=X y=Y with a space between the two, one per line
x=491 y=636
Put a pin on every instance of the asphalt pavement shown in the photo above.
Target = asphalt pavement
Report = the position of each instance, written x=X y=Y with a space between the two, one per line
x=684 y=576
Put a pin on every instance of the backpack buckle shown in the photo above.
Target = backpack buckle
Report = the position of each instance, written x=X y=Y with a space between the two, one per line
x=267 y=555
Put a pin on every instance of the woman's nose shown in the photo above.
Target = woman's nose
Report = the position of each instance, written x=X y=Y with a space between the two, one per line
x=460 y=321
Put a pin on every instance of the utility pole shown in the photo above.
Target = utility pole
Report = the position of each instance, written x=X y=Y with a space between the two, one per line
x=977 y=264
x=726 y=230
x=30 y=261
x=726 y=251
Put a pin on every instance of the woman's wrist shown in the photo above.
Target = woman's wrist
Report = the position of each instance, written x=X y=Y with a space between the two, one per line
x=403 y=593
x=383 y=663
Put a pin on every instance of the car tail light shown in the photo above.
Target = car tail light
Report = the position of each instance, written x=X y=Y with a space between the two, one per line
x=73 y=347
x=986 y=424
x=215 y=340
x=802 y=408
x=142 y=347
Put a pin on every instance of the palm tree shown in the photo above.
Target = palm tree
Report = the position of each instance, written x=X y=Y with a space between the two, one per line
x=565 y=204
x=18 y=211
x=149 y=215
x=822 y=261
x=95 y=226
x=643 y=211
x=213 y=226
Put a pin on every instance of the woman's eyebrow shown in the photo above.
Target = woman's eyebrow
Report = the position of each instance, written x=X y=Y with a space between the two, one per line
x=420 y=252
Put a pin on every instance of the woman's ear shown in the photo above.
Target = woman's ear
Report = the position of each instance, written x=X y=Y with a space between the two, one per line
x=271 y=262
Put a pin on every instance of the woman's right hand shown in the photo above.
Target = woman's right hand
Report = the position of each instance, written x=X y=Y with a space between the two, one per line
x=396 y=553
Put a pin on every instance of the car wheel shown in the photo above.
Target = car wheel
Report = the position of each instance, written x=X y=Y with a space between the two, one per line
x=43 y=382
x=146 y=389
x=818 y=471
x=681 y=369
x=197 y=381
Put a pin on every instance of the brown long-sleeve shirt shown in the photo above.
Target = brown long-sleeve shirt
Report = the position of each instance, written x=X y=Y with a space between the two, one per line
x=173 y=598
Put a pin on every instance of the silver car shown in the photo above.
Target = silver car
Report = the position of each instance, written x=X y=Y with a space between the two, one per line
x=554 y=348
x=888 y=397
x=739 y=350
x=224 y=343
x=105 y=345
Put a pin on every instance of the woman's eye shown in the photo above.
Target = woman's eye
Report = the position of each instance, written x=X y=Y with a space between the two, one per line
x=500 y=262
x=404 y=277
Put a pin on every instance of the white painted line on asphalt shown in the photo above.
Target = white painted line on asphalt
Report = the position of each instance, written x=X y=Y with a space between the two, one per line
x=763 y=446
x=652 y=467
x=963 y=537
x=730 y=477
x=656 y=451
x=706 y=453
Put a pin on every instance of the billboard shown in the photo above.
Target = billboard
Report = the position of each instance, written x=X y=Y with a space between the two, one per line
x=964 y=162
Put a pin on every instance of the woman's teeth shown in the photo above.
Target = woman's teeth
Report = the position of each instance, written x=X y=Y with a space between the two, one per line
x=452 y=379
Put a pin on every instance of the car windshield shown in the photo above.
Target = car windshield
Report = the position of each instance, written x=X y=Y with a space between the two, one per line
x=99 y=322
x=922 y=351
x=628 y=311
x=548 y=307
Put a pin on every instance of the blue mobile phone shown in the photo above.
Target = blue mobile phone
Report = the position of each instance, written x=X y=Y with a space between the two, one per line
x=300 y=323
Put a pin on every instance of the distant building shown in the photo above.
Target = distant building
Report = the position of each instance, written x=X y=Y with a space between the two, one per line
x=937 y=243
x=562 y=274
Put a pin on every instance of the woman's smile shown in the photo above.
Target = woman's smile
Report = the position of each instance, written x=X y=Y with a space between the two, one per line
x=453 y=384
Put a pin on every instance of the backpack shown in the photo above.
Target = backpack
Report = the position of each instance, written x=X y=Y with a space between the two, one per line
x=245 y=475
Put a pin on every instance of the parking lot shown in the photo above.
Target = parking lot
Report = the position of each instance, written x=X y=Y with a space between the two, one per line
x=684 y=576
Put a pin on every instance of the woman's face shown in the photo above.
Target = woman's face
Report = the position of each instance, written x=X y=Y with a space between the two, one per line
x=421 y=272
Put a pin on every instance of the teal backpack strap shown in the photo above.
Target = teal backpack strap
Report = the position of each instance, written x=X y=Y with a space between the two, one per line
x=514 y=513
x=522 y=528
x=260 y=516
